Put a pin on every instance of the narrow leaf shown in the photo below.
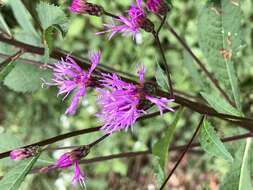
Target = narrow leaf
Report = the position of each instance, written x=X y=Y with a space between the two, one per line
x=219 y=104
x=4 y=26
x=211 y=143
x=161 y=78
x=160 y=148
x=219 y=28
x=7 y=65
x=23 y=17
x=238 y=177
x=14 y=178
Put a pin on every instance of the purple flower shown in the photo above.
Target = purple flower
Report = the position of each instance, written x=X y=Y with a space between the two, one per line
x=68 y=159
x=83 y=7
x=68 y=76
x=79 y=176
x=157 y=6
x=72 y=158
x=123 y=103
x=132 y=24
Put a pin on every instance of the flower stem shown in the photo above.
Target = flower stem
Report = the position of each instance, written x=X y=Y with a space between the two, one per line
x=165 y=65
x=183 y=153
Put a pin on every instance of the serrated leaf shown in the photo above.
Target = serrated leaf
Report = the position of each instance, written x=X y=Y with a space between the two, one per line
x=23 y=17
x=211 y=143
x=52 y=20
x=161 y=147
x=238 y=177
x=161 y=78
x=25 y=78
x=50 y=15
x=219 y=28
x=4 y=26
x=14 y=178
x=219 y=104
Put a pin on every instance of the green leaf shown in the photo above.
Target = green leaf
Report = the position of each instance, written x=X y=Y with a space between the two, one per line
x=8 y=64
x=238 y=177
x=219 y=104
x=211 y=143
x=8 y=141
x=194 y=73
x=161 y=78
x=4 y=26
x=53 y=20
x=14 y=178
x=26 y=78
x=7 y=69
x=50 y=15
x=23 y=17
x=160 y=148
x=219 y=28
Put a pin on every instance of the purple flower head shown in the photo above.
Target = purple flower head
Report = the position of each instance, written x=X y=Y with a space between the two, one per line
x=72 y=158
x=131 y=24
x=79 y=176
x=68 y=159
x=157 y=6
x=69 y=76
x=83 y=7
x=123 y=103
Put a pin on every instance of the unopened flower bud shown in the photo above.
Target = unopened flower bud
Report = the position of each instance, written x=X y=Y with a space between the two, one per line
x=69 y=158
x=157 y=6
x=23 y=153
x=83 y=7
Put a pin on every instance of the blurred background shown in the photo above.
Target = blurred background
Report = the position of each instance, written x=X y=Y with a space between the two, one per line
x=33 y=116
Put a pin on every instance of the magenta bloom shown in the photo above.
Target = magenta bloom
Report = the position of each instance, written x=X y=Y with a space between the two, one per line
x=83 y=7
x=79 y=176
x=71 y=158
x=123 y=103
x=69 y=76
x=78 y=6
x=157 y=6
x=132 y=24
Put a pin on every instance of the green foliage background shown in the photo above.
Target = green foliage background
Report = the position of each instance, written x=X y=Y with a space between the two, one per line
x=32 y=114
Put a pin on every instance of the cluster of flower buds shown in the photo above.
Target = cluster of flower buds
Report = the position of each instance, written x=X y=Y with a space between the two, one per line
x=157 y=7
